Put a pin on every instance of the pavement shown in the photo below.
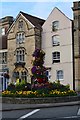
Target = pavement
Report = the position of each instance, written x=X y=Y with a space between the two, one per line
x=10 y=107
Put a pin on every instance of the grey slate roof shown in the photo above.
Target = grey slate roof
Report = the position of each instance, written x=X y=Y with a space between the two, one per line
x=37 y=22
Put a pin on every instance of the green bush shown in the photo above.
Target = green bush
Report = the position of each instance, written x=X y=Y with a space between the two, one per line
x=19 y=86
x=44 y=90
x=11 y=87
x=58 y=86
x=23 y=86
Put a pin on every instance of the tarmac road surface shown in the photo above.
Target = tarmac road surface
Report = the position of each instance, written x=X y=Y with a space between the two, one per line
x=70 y=112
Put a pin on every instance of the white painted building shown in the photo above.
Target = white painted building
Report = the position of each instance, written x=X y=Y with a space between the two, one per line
x=57 y=44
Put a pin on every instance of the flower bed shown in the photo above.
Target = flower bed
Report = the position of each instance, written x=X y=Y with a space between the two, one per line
x=31 y=94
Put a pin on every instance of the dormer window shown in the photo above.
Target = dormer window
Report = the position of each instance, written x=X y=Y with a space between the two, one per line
x=55 y=25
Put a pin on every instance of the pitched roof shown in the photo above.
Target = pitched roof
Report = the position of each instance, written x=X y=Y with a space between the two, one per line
x=62 y=13
x=37 y=22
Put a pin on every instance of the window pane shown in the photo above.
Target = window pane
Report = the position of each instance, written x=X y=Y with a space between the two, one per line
x=56 y=57
x=3 y=31
x=55 y=40
x=4 y=58
x=20 y=55
x=20 y=24
x=48 y=74
x=60 y=75
x=55 y=25
x=20 y=37
x=17 y=56
x=24 y=75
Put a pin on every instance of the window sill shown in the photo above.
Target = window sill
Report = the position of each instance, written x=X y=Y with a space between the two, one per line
x=56 y=45
x=55 y=62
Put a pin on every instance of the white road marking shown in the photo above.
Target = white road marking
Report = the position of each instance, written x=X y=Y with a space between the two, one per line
x=29 y=114
x=78 y=112
x=70 y=117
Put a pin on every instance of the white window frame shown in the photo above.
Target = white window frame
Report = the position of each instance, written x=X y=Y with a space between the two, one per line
x=4 y=57
x=55 y=25
x=56 y=57
x=55 y=40
x=20 y=55
x=59 y=75
x=20 y=37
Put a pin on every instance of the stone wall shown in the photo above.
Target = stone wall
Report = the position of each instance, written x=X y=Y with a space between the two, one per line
x=40 y=100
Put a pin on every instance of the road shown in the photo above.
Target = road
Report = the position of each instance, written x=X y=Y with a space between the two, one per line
x=52 y=113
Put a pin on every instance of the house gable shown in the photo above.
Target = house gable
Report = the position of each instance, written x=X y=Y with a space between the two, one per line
x=55 y=15
x=14 y=27
x=31 y=21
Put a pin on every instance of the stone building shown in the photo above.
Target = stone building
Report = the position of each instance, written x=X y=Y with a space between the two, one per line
x=5 y=23
x=24 y=36
x=76 y=32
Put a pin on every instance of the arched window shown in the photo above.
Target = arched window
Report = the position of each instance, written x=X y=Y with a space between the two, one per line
x=59 y=74
x=16 y=74
x=56 y=57
x=24 y=75
x=20 y=54
x=55 y=25
x=55 y=40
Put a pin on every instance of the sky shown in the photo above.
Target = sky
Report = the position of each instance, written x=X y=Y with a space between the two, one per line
x=38 y=9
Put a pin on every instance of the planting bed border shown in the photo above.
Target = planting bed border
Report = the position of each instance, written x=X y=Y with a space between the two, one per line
x=12 y=100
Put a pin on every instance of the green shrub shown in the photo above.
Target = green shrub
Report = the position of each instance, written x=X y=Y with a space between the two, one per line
x=23 y=86
x=58 y=86
x=11 y=87
x=44 y=90
x=20 y=86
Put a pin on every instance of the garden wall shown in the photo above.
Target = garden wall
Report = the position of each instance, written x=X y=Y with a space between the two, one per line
x=40 y=100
